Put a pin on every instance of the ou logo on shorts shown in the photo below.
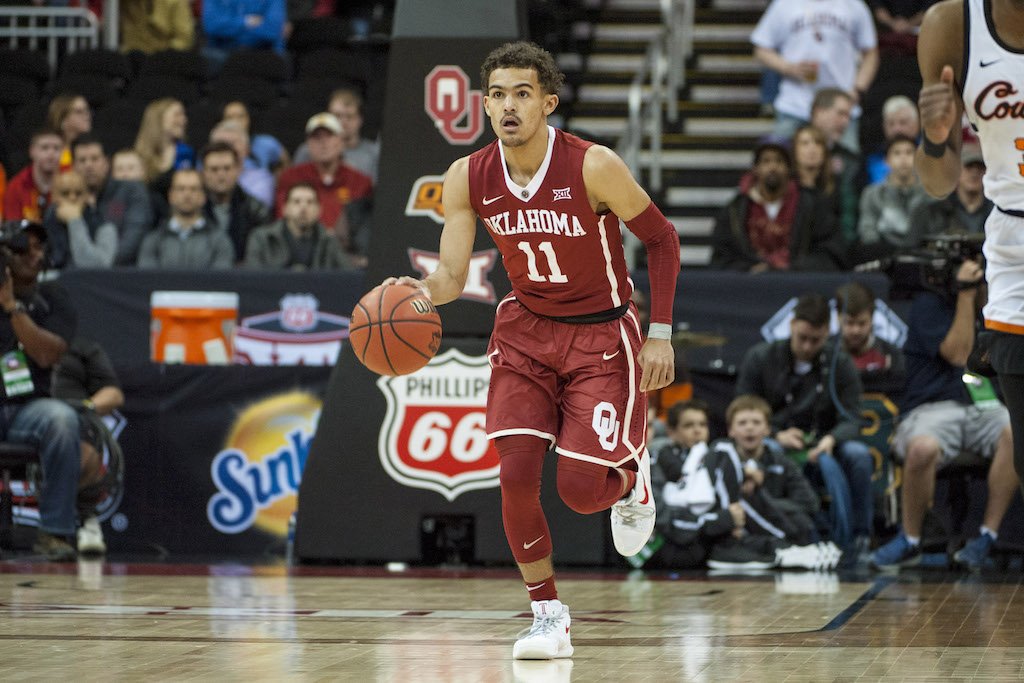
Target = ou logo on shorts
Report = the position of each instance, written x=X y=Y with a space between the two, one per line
x=606 y=425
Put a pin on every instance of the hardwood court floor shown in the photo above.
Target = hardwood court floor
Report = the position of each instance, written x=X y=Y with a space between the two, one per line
x=130 y=622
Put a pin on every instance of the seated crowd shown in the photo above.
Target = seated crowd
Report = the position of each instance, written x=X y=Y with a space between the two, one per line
x=162 y=204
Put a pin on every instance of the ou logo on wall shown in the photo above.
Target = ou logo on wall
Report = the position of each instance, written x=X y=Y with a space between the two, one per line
x=448 y=100
x=434 y=432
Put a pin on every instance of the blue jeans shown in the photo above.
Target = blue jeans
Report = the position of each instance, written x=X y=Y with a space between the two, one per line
x=52 y=427
x=846 y=476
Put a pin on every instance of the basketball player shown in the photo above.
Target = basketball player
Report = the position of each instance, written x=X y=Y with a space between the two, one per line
x=967 y=63
x=569 y=365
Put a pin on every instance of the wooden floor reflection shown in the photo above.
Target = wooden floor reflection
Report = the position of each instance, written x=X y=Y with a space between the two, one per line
x=224 y=622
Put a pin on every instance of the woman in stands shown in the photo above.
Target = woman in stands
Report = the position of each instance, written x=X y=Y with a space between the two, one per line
x=161 y=142
x=71 y=115
x=265 y=150
x=812 y=166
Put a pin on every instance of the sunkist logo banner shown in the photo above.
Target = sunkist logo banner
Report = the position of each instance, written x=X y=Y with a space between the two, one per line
x=434 y=432
x=258 y=472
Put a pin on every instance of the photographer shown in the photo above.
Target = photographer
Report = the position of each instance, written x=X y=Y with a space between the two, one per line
x=36 y=324
x=943 y=417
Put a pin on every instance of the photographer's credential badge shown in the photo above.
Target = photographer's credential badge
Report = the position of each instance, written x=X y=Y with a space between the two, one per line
x=17 y=378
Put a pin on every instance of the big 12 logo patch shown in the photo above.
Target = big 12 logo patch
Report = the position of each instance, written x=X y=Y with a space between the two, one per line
x=434 y=432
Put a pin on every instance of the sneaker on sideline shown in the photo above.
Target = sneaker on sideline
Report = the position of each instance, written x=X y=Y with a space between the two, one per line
x=633 y=516
x=548 y=638
x=895 y=554
x=975 y=553
x=55 y=548
x=818 y=556
x=90 y=538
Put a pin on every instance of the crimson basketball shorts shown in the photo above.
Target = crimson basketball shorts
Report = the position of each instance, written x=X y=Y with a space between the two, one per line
x=577 y=386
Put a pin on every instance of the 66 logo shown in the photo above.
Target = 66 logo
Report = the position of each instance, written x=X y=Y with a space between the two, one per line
x=434 y=433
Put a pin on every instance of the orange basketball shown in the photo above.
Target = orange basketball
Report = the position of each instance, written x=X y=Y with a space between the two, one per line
x=395 y=329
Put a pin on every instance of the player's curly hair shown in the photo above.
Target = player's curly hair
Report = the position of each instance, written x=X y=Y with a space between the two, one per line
x=524 y=55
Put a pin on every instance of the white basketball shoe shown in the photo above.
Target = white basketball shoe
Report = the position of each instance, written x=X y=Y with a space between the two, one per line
x=548 y=638
x=633 y=516
x=90 y=538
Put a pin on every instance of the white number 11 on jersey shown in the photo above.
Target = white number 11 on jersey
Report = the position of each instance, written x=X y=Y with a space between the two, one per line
x=531 y=263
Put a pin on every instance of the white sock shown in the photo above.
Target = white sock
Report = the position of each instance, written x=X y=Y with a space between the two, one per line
x=913 y=540
x=985 y=530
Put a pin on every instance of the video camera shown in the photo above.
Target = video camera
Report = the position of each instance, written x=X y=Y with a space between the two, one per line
x=930 y=267
x=14 y=240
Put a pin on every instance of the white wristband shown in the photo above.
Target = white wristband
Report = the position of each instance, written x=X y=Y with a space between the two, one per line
x=659 y=331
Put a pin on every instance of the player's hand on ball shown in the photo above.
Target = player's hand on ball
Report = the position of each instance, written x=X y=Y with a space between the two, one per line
x=406 y=280
x=657 y=364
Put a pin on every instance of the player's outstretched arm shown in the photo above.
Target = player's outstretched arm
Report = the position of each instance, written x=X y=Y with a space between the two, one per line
x=610 y=185
x=447 y=282
x=939 y=55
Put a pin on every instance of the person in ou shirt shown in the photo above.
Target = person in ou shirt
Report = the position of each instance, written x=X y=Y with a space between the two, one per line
x=28 y=192
x=971 y=55
x=552 y=204
x=816 y=44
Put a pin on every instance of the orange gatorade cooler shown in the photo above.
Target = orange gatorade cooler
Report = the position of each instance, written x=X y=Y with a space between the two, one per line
x=192 y=327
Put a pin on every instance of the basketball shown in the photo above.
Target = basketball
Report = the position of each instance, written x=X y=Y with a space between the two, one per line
x=395 y=329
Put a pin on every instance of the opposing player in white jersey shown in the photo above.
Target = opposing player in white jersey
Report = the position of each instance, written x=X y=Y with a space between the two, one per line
x=971 y=54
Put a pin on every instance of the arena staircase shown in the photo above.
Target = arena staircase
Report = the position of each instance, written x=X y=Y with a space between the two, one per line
x=709 y=146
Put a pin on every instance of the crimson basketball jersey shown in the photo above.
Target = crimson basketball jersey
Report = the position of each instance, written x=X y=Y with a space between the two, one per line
x=562 y=258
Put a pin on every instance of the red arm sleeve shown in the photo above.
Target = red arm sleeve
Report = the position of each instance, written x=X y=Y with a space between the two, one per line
x=662 y=242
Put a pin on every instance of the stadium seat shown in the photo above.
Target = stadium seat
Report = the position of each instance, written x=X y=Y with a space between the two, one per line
x=13 y=457
x=153 y=86
x=315 y=33
x=265 y=65
x=255 y=92
x=115 y=66
x=349 y=65
x=117 y=123
x=27 y=64
x=286 y=122
x=97 y=89
x=174 y=63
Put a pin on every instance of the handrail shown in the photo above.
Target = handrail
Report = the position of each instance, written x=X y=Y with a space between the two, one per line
x=78 y=26
x=665 y=62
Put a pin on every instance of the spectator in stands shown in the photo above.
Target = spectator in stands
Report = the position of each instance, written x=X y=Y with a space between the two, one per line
x=233 y=24
x=161 y=142
x=345 y=193
x=824 y=45
x=228 y=207
x=77 y=232
x=254 y=179
x=899 y=117
x=85 y=378
x=814 y=391
x=881 y=365
x=964 y=211
x=692 y=512
x=898 y=23
x=265 y=150
x=775 y=225
x=28 y=193
x=126 y=164
x=830 y=113
x=359 y=153
x=125 y=202
x=36 y=326
x=297 y=241
x=777 y=503
x=885 y=207
x=72 y=116
x=154 y=25
x=813 y=171
x=186 y=240
x=945 y=415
